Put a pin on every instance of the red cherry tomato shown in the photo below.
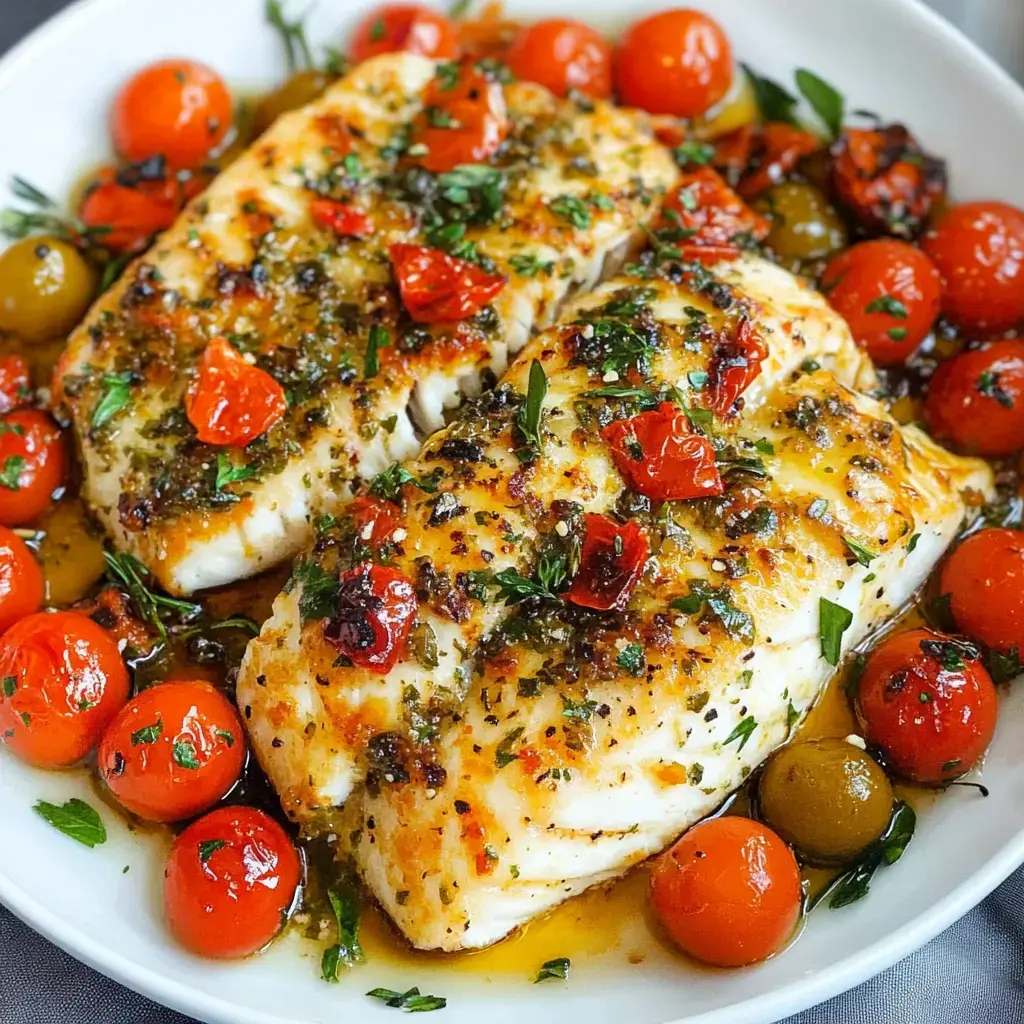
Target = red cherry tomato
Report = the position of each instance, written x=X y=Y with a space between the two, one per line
x=63 y=680
x=562 y=55
x=661 y=457
x=677 y=62
x=976 y=400
x=611 y=563
x=343 y=220
x=979 y=250
x=15 y=382
x=984 y=579
x=409 y=27
x=437 y=287
x=173 y=751
x=232 y=402
x=375 y=520
x=704 y=203
x=230 y=883
x=126 y=217
x=771 y=155
x=728 y=893
x=889 y=293
x=463 y=120
x=927 y=702
x=179 y=109
x=735 y=365
x=885 y=179
x=21 y=580
x=375 y=612
x=33 y=464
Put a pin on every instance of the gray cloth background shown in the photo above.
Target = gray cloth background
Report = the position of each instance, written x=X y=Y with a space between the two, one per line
x=973 y=973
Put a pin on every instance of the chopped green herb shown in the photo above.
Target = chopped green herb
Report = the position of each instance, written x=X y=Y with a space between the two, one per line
x=825 y=100
x=185 y=755
x=571 y=209
x=379 y=338
x=859 y=552
x=230 y=474
x=11 y=473
x=347 y=951
x=76 y=819
x=774 y=102
x=10 y=685
x=503 y=753
x=557 y=968
x=633 y=659
x=208 y=847
x=529 y=417
x=834 y=621
x=988 y=385
x=148 y=733
x=411 y=1001
x=741 y=732
x=117 y=392
x=320 y=590
x=887 y=304
x=530 y=265
x=692 y=152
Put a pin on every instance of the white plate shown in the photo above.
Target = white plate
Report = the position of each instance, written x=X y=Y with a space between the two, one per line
x=892 y=56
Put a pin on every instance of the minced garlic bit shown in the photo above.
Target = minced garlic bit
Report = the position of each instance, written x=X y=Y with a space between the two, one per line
x=562 y=528
x=610 y=377
x=856 y=741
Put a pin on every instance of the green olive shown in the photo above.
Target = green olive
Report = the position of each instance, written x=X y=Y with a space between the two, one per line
x=805 y=225
x=827 y=798
x=300 y=89
x=46 y=286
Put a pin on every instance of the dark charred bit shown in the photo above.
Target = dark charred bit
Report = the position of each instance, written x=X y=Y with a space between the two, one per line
x=458 y=449
x=350 y=628
x=241 y=280
x=446 y=508
x=390 y=757
x=134 y=514
x=456 y=605
x=143 y=289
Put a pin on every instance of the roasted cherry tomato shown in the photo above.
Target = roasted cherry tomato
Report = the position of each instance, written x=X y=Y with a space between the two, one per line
x=436 y=287
x=125 y=217
x=179 y=109
x=735 y=365
x=63 y=680
x=230 y=883
x=976 y=400
x=661 y=457
x=21 y=580
x=375 y=520
x=33 y=464
x=927 y=703
x=984 y=580
x=889 y=293
x=563 y=56
x=342 y=219
x=704 y=203
x=886 y=180
x=728 y=893
x=979 y=250
x=463 y=121
x=774 y=152
x=375 y=612
x=677 y=62
x=173 y=751
x=15 y=382
x=410 y=27
x=611 y=563
x=232 y=402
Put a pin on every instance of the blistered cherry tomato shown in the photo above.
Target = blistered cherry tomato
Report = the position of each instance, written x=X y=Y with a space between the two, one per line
x=375 y=612
x=661 y=457
x=375 y=520
x=984 y=580
x=889 y=293
x=232 y=402
x=774 y=152
x=173 y=751
x=341 y=218
x=15 y=382
x=611 y=563
x=435 y=286
x=885 y=179
x=230 y=883
x=979 y=250
x=702 y=202
x=464 y=120
x=728 y=893
x=61 y=682
x=33 y=464
x=126 y=217
x=562 y=55
x=21 y=580
x=677 y=62
x=976 y=400
x=735 y=364
x=927 y=702
x=179 y=109
x=410 y=27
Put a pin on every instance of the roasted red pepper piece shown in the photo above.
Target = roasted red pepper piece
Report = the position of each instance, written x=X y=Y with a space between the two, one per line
x=885 y=179
x=15 y=382
x=704 y=203
x=375 y=520
x=437 y=287
x=774 y=153
x=341 y=219
x=661 y=457
x=611 y=562
x=231 y=402
x=734 y=366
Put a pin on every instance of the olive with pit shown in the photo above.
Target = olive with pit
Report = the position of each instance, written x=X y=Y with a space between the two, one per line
x=827 y=798
x=46 y=286
x=805 y=225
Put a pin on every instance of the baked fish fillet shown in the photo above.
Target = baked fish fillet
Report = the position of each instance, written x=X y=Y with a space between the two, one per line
x=316 y=724
x=566 y=194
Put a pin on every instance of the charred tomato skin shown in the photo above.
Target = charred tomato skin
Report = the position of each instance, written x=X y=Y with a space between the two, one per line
x=702 y=202
x=436 y=287
x=611 y=563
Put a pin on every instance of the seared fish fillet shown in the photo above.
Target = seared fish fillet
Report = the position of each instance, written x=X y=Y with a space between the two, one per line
x=311 y=718
x=566 y=194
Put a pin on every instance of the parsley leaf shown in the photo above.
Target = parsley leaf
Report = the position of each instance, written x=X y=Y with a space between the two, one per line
x=503 y=753
x=530 y=412
x=826 y=101
x=571 y=209
x=379 y=338
x=320 y=590
x=741 y=732
x=347 y=951
x=887 y=304
x=230 y=474
x=148 y=733
x=185 y=755
x=530 y=265
x=208 y=847
x=116 y=395
x=411 y=1001
x=987 y=384
x=633 y=658
x=557 y=968
x=76 y=819
x=859 y=552
x=833 y=622
x=11 y=472
x=718 y=600
x=389 y=482
x=774 y=102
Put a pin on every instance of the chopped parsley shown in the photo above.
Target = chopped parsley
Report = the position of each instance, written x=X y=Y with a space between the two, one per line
x=116 y=395
x=834 y=620
x=75 y=819
x=557 y=968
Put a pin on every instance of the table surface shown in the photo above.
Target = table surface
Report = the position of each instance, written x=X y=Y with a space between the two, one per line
x=973 y=972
